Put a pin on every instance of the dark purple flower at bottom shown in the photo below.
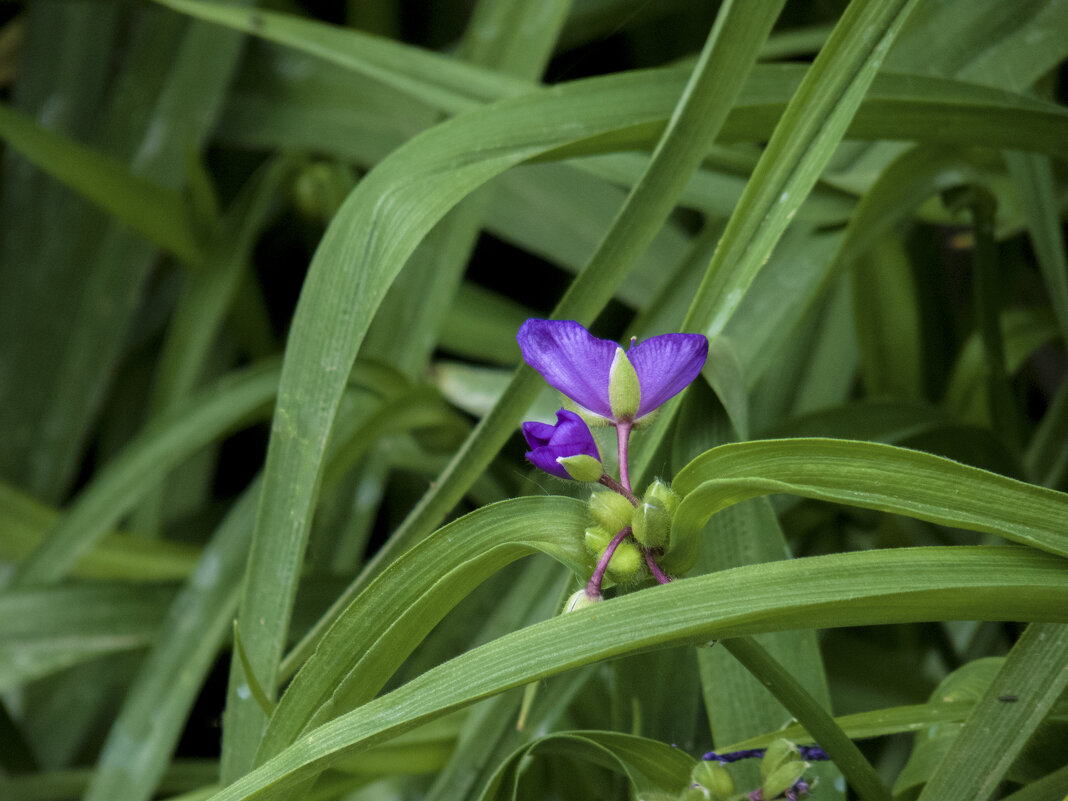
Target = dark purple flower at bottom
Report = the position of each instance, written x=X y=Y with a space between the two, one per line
x=566 y=450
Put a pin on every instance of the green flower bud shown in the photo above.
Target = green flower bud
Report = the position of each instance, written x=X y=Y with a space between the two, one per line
x=626 y=563
x=624 y=390
x=610 y=510
x=691 y=794
x=715 y=779
x=581 y=467
x=319 y=189
x=580 y=600
x=783 y=778
x=652 y=519
x=684 y=542
x=777 y=754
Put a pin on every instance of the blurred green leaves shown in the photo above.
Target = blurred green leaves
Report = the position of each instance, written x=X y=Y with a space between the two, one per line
x=865 y=211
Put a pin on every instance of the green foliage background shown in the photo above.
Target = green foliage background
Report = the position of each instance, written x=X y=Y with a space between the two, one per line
x=256 y=546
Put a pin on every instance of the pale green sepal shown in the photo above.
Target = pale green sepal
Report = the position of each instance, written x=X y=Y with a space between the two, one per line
x=624 y=391
x=581 y=467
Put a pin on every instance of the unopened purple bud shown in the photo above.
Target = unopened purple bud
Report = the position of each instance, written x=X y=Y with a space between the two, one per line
x=553 y=447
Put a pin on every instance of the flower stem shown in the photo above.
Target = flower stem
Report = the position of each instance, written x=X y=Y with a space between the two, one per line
x=660 y=576
x=593 y=588
x=623 y=437
x=614 y=485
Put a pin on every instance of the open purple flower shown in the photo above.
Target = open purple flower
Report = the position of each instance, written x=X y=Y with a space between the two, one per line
x=566 y=450
x=600 y=377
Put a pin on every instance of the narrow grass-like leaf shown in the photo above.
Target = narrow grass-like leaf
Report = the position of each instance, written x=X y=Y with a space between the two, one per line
x=161 y=101
x=813 y=123
x=1023 y=331
x=1051 y=787
x=877 y=723
x=255 y=688
x=217 y=409
x=874 y=476
x=45 y=629
x=438 y=573
x=838 y=590
x=157 y=213
x=142 y=738
x=857 y=770
x=24 y=524
x=1034 y=674
x=452 y=86
x=445 y=83
x=887 y=323
x=1033 y=174
x=181 y=777
x=1047 y=454
x=649 y=765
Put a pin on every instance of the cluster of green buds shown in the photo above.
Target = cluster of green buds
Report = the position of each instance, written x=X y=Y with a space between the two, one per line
x=782 y=769
x=650 y=521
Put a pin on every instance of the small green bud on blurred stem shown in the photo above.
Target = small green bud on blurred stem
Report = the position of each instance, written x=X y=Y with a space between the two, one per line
x=778 y=753
x=715 y=779
x=783 y=778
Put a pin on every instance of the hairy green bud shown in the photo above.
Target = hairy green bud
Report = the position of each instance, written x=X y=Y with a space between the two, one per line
x=610 y=510
x=652 y=519
x=626 y=563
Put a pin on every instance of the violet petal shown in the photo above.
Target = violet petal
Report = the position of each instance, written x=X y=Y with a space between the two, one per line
x=571 y=359
x=666 y=365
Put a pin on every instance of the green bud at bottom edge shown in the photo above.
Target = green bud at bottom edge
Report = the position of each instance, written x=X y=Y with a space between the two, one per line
x=783 y=778
x=715 y=779
x=580 y=600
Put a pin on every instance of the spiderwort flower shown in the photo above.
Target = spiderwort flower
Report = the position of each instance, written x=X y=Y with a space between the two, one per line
x=565 y=450
x=620 y=386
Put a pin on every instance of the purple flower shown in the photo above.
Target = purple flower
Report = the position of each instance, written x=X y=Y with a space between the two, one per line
x=585 y=368
x=566 y=450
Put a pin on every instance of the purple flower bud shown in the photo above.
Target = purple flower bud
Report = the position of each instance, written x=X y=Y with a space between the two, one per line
x=569 y=438
x=579 y=364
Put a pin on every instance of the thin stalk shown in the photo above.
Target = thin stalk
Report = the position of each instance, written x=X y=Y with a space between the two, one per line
x=593 y=588
x=623 y=437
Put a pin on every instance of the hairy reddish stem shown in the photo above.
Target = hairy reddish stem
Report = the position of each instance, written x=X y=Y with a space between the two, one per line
x=660 y=576
x=593 y=588
x=614 y=485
